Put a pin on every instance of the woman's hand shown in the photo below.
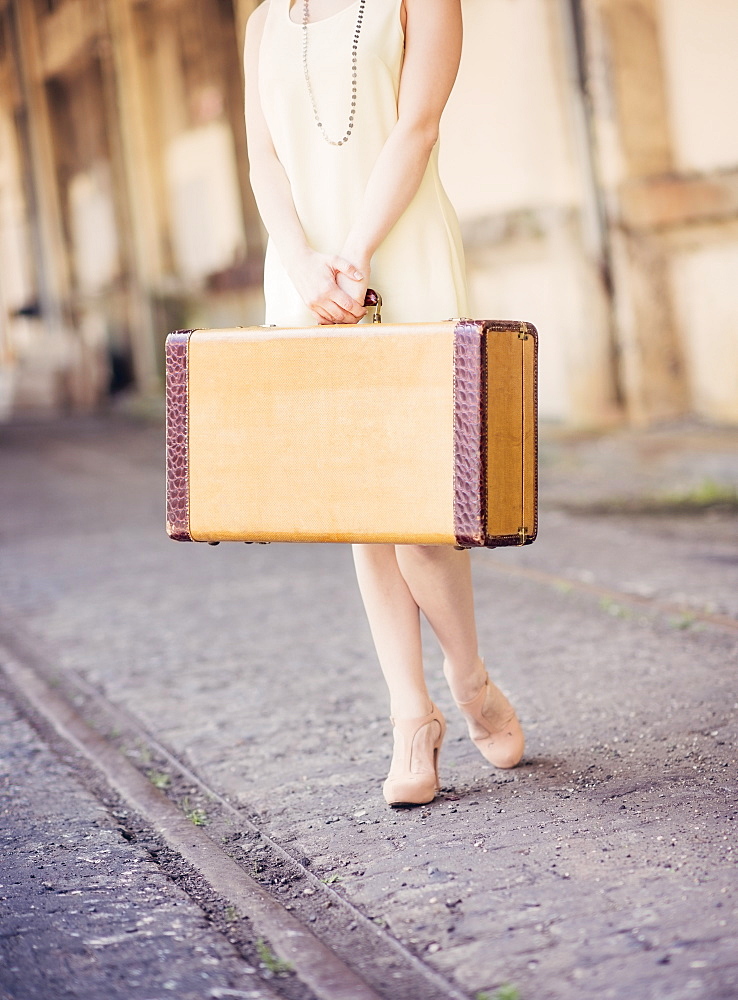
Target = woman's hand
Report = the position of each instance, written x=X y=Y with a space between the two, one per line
x=326 y=285
x=355 y=287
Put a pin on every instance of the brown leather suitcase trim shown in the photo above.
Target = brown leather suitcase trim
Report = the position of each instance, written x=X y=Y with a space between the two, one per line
x=534 y=532
x=499 y=541
x=469 y=390
x=178 y=472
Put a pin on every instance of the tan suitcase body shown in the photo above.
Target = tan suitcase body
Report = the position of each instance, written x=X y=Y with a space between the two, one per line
x=421 y=433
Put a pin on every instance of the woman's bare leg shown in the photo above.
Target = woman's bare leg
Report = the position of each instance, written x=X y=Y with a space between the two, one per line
x=394 y=620
x=396 y=582
x=440 y=582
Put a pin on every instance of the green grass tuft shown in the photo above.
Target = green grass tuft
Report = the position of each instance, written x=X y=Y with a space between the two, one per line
x=159 y=779
x=193 y=813
x=269 y=960
x=506 y=992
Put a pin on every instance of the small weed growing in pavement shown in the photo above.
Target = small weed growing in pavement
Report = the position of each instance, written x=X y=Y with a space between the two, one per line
x=613 y=608
x=144 y=754
x=269 y=960
x=195 y=815
x=506 y=992
x=330 y=879
x=159 y=779
x=684 y=621
x=707 y=493
x=231 y=914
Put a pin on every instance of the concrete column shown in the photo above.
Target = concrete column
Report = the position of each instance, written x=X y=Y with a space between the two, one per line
x=235 y=86
x=50 y=253
x=605 y=396
x=632 y=144
x=140 y=238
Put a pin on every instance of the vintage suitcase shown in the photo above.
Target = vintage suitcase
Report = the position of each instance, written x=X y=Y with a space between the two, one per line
x=414 y=433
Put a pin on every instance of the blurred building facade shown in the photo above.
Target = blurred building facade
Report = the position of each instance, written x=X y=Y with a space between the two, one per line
x=589 y=146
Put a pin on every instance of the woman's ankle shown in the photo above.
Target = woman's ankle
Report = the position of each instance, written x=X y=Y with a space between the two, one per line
x=411 y=706
x=466 y=680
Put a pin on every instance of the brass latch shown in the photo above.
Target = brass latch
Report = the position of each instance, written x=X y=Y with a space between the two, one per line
x=523 y=331
x=522 y=535
x=373 y=301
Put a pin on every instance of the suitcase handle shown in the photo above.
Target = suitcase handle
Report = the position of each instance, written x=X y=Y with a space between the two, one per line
x=373 y=301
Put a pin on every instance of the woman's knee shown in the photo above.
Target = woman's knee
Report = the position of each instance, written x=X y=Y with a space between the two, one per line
x=430 y=553
x=375 y=554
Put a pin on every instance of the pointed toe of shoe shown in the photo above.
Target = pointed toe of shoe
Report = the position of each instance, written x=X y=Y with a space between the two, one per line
x=494 y=727
x=503 y=749
x=411 y=790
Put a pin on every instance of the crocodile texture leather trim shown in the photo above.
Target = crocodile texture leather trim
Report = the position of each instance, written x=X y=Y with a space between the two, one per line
x=469 y=395
x=178 y=480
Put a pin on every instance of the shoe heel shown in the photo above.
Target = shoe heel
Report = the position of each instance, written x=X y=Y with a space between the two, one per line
x=412 y=781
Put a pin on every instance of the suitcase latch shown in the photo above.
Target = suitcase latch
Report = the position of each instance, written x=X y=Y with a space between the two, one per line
x=523 y=332
x=522 y=536
x=377 y=306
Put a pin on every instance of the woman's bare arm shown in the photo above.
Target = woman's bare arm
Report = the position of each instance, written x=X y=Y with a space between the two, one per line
x=433 y=35
x=313 y=274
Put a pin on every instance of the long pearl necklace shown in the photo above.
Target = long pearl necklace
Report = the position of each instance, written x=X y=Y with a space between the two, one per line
x=354 y=50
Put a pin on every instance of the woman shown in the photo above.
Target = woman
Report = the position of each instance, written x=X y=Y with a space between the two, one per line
x=343 y=103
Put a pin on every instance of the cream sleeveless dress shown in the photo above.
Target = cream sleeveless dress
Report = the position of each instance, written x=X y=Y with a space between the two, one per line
x=419 y=267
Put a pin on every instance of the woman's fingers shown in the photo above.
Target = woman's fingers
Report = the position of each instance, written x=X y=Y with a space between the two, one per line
x=350 y=307
x=321 y=316
x=356 y=292
x=342 y=316
x=351 y=281
x=334 y=305
x=346 y=267
x=329 y=313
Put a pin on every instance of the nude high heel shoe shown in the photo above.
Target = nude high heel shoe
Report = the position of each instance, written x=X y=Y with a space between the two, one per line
x=493 y=726
x=413 y=776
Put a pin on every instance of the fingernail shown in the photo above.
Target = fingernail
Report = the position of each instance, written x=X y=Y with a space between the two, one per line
x=358 y=274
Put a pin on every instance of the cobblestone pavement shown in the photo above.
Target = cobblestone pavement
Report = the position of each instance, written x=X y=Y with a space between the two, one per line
x=603 y=866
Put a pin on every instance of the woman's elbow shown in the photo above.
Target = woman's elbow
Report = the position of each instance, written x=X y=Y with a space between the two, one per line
x=422 y=133
x=430 y=134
